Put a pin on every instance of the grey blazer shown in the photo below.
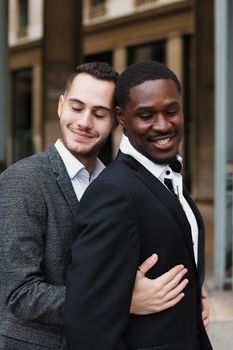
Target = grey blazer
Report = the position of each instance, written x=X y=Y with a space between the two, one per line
x=37 y=207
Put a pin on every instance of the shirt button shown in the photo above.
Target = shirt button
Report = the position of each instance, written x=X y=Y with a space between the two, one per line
x=168 y=172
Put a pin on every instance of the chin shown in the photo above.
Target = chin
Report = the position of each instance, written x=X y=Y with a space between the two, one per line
x=161 y=161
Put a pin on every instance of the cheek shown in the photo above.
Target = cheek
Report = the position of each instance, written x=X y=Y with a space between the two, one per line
x=105 y=128
x=67 y=118
x=139 y=129
x=180 y=122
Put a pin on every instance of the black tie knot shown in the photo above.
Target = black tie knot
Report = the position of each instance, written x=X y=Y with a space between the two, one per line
x=175 y=165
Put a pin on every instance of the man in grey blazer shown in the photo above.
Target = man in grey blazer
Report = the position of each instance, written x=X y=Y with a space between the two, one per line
x=38 y=199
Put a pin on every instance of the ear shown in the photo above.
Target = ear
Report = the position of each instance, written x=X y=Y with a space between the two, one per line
x=60 y=105
x=119 y=116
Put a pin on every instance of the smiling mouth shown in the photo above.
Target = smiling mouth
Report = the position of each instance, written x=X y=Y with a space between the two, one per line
x=163 y=142
x=82 y=134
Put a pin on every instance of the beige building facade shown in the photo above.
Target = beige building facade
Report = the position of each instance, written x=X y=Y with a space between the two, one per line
x=120 y=32
x=45 y=45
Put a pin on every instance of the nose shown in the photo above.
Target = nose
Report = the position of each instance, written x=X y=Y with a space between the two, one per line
x=85 y=120
x=161 y=123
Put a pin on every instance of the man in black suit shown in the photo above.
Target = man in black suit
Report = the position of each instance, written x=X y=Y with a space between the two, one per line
x=135 y=207
x=39 y=198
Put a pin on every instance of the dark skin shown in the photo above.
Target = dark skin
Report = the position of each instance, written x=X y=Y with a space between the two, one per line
x=154 y=123
x=153 y=119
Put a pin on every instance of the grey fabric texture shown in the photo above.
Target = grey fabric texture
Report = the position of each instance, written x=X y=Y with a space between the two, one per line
x=37 y=207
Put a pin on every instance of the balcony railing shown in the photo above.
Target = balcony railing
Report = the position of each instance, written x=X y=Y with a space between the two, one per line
x=148 y=3
x=97 y=10
x=145 y=2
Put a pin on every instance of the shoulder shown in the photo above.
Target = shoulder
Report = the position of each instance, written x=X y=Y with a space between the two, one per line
x=27 y=162
x=35 y=163
x=116 y=173
x=117 y=181
x=26 y=171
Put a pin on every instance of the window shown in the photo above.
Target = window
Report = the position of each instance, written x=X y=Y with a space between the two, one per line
x=22 y=17
x=96 y=2
x=150 y=51
x=23 y=13
x=97 y=8
x=22 y=114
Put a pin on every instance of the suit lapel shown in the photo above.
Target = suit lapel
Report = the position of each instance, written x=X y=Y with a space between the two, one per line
x=63 y=179
x=201 y=237
x=167 y=199
x=170 y=203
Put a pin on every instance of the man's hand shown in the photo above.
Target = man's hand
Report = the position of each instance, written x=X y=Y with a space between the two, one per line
x=151 y=296
x=205 y=307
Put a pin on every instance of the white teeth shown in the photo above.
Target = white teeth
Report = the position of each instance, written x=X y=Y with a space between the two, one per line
x=163 y=142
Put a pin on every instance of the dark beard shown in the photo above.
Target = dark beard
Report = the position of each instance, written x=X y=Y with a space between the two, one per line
x=163 y=162
x=159 y=161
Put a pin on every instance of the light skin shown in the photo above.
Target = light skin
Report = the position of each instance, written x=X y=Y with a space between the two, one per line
x=86 y=119
x=153 y=121
x=151 y=296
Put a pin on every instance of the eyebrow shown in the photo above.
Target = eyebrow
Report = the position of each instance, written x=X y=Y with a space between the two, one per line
x=96 y=107
x=169 y=104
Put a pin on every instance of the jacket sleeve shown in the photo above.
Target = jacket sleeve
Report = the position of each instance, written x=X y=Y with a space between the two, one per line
x=23 y=214
x=104 y=264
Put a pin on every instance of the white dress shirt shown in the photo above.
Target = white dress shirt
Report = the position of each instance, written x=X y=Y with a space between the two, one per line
x=79 y=176
x=161 y=171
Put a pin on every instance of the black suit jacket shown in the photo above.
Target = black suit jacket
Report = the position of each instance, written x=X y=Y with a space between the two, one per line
x=125 y=215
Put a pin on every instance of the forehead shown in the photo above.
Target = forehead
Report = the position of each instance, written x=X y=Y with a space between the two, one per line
x=84 y=86
x=154 y=90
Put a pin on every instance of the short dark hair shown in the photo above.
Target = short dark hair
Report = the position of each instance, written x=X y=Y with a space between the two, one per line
x=137 y=74
x=98 y=70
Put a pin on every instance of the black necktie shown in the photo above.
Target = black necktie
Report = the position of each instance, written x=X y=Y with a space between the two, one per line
x=168 y=183
x=176 y=166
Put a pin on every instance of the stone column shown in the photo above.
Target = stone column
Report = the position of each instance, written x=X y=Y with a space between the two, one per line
x=62 y=52
x=204 y=123
x=3 y=82
x=119 y=63
x=174 y=54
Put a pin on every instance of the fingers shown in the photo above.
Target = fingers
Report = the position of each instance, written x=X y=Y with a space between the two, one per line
x=170 y=286
x=148 y=263
x=205 y=319
x=203 y=293
x=161 y=293
x=172 y=292
x=173 y=276
x=171 y=303
x=205 y=309
x=165 y=290
x=167 y=299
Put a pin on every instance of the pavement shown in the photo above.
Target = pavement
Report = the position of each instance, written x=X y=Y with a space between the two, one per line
x=220 y=329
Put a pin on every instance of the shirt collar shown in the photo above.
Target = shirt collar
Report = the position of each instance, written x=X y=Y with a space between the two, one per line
x=157 y=170
x=73 y=165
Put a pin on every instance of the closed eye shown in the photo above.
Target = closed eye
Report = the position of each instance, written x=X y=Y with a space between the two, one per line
x=172 y=112
x=172 y=109
x=145 y=116
x=100 y=116
x=76 y=109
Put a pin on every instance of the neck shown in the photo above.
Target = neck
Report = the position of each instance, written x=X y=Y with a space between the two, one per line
x=89 y=163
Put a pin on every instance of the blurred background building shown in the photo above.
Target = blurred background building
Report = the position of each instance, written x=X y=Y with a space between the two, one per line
x=47 y=39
